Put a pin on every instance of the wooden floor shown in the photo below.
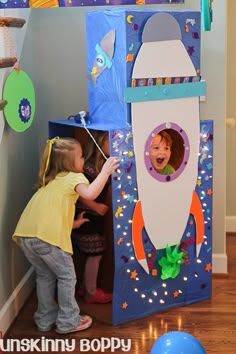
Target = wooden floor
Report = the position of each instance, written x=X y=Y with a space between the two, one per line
x=212 y=322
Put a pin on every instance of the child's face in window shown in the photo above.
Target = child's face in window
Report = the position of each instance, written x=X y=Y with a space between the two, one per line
x=159 y=153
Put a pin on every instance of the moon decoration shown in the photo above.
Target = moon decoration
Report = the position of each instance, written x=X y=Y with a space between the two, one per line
x=129 y=18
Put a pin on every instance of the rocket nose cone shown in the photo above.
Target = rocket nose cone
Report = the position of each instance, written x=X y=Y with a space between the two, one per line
x=161 y=27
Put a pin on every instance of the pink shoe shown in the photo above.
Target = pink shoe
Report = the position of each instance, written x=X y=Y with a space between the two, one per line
x=98 y=298
x=85 y=322
x=81 y=292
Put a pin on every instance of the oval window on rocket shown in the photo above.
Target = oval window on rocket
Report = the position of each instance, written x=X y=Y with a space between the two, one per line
x=166 y=152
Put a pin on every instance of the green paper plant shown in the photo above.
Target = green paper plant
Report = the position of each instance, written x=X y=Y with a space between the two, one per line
x=170 y=264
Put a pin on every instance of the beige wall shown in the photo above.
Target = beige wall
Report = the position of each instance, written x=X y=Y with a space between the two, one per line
x=231 y=113
x=54 y=55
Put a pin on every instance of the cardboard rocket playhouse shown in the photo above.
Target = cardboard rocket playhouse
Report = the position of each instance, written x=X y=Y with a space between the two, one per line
x=144 y=88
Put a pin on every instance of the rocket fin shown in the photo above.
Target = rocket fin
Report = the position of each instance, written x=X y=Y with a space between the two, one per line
x=137 y=227
x=196 y=211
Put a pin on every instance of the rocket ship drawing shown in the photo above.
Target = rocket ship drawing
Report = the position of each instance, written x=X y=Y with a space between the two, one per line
x=165 y=201
x=104 y=55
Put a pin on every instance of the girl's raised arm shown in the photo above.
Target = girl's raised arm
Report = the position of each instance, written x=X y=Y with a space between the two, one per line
x=91 y=191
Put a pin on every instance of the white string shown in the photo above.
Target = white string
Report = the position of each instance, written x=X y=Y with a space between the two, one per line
x=82 y=116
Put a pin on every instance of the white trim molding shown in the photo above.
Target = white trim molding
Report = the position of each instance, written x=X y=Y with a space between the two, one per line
x=17 y=299
x=230 y=223
x=219 y=263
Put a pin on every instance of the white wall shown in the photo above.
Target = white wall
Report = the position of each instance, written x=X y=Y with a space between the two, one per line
x=231 y=113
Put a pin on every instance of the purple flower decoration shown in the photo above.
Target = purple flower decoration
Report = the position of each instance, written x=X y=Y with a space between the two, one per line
x=24 y=110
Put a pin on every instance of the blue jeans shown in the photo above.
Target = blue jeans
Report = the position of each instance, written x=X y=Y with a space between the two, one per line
x=54 y=268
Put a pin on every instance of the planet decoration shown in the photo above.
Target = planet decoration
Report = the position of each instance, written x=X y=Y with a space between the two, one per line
x=177 y=342
x=19 y=93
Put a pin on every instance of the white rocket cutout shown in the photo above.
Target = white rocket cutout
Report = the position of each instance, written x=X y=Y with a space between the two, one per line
x=164 y=206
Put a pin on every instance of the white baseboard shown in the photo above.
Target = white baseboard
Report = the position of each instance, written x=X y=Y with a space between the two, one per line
x=230 y=223
x=17 y=299
x=219 y=263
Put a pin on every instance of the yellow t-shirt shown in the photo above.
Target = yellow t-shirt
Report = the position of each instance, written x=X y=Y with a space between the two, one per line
x=50 y=212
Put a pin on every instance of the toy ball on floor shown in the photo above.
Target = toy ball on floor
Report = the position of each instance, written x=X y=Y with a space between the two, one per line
x=177 y=342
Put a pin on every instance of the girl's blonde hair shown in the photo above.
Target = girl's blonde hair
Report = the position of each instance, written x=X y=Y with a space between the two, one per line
x=58 y=156
x=92 y=153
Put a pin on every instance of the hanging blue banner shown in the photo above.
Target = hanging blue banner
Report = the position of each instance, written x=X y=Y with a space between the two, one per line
x=7 y=4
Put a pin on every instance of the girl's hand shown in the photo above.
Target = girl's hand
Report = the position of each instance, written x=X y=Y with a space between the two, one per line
x=80 y=220
x=111 y=164
x=101 y=209
x=92 y=190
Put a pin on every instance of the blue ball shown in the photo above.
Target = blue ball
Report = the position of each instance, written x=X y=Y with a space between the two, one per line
x=177 y=342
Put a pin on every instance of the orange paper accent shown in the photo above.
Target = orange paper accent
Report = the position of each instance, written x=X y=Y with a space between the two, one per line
x=196 y=211
x=137 y=227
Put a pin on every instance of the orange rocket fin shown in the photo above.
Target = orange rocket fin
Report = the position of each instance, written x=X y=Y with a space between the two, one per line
x=137 y=228
x=196 y=211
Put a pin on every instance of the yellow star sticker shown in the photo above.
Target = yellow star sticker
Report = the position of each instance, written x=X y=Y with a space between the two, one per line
x=198 y=183
x=118 y=212
x=130 y=154
x=133 y=274
x=124 y=305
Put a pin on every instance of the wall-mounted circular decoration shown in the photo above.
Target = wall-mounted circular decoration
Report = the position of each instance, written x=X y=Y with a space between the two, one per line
x=20 y=95
x=166 y=152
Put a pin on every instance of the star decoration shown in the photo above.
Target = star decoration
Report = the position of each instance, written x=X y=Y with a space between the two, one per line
x=124 y=305
x=118 y=212
x=115 y=145
x=130 y=198
x=209 y=166
x=209 y=192
x=198 y=183
x=133 y=274
x=130 y=154
x=191 y=50
x=208 y=267
x=175 y=294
